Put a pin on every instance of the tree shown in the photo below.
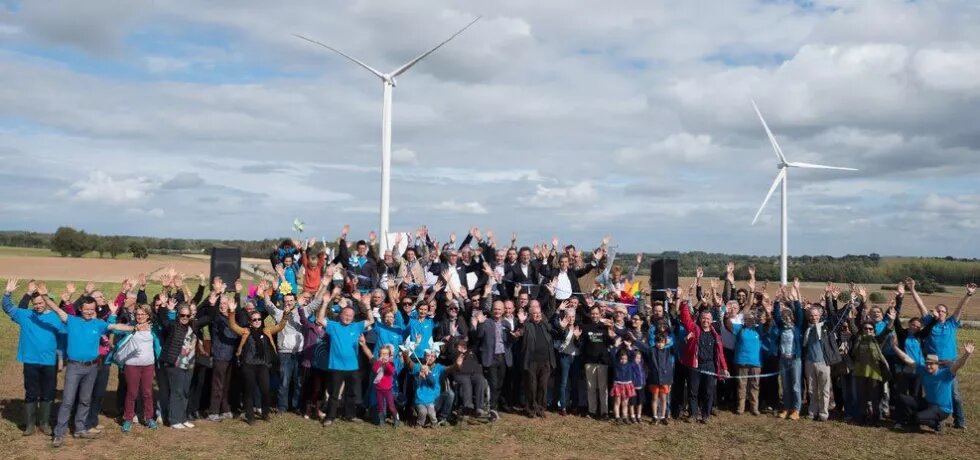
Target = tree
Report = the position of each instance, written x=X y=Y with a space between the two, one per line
x=69 y=242
x=99 y=244
x=138 y=248
x=115 y=246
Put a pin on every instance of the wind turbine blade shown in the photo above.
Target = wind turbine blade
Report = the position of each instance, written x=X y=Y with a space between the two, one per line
x=775 y=145
x=811 y=165
x=779 y=177
x=335 y=50
x=409 y=64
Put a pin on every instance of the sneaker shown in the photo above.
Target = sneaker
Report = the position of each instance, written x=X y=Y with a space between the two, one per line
x=57 y=442
x=227 y=416
x=188 y=425
x=327 y=423
x=795 y=415
x=127 y=426
x=215 y=418
x=87 y=434
x=664 y=422
x=959 y=426
x=178 y=426
x=152 y=425
x=442 y=422
x=97 y=430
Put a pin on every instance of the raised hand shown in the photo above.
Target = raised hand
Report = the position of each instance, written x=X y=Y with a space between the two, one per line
x=969 y=347
x=910 y=283
x=141 y=280
x=172 y=303
x=752 y=271
x=730 y=271
x=11 y=285
x=639 y=258
x=452 y=238
x=89 y=288
x=344 y=231
x=42 y=289
x=971 y=289
x=522 y=315
x=900 y=289
x=698 y=272
x=863 y=293
x=577 y=332
x=490 y=234
x=31 y=287
x=372 y=237
x=238 y=286
x=476 y=234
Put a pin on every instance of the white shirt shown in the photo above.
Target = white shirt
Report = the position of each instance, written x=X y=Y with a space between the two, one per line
x=139 y=350
x=564 y=288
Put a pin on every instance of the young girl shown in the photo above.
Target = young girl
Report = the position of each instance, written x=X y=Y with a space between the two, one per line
x=428 y=385
x=639 y=377
x=661 y=377
x=622 y=389
x=383 y=371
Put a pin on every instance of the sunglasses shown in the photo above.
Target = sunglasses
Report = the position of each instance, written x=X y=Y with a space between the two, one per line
x=256 y=319
x=869 y=329
x=183 y=316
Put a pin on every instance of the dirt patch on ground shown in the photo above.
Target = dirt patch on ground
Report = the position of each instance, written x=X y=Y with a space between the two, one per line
x=98 y=270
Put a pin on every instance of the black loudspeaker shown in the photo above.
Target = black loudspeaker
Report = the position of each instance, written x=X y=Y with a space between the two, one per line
x=663 y=274
x=226 y=263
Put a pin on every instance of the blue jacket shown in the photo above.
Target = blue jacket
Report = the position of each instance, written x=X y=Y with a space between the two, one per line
x=661 y=367
x=39 y=341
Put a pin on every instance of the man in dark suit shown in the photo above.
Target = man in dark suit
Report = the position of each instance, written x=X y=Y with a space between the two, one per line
x=493 y=339
x=525 y=272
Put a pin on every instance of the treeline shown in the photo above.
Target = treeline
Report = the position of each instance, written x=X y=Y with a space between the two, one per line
x=70 y=242
x=930 y=273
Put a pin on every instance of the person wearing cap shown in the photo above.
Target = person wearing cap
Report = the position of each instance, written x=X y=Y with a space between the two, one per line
x=941 y=341
x=937 y=381
x=82 y=366
x=37 y=350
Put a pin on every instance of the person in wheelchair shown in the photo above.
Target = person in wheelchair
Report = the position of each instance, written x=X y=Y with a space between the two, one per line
x=471 y=386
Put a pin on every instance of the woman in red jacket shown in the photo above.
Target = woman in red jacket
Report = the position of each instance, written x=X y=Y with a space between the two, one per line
x=705 y=360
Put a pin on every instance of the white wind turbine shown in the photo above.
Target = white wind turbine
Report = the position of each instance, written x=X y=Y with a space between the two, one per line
x=388 y=79
x=781 y=179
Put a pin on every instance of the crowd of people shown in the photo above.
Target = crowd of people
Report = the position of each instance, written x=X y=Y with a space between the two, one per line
x=436 y=334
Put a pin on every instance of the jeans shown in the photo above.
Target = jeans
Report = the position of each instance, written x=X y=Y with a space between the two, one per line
x=701 y=393
x=352 y=393
x=748 y=388
x=40 y=383
x=444 y=403
x=79 y=381
x=918 y=411
x=98 y=393
x=790 y=377
x=256 y=376
x=471 y=387
x=536 y=380
x=179 y=382
x=597 y=388
x=959 y=417
x=139 y=380
x=288 y=374
x=220 y=381
x=569 y=374
x=496 y=373
x=818 y=388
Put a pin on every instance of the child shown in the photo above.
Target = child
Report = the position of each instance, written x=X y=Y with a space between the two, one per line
x=383 y=370
x=622 y=389
x=661 y=377
x=639 y=376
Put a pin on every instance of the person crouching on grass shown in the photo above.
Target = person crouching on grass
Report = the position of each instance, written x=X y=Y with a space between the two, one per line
x=430 y=399
x=937 y=381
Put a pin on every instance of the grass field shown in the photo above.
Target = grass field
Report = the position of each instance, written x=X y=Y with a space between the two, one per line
x=289 y=436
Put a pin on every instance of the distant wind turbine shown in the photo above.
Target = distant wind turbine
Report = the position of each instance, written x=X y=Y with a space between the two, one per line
x=781 y=179
x=388 y=80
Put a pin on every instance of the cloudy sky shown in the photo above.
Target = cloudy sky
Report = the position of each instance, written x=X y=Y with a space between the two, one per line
x=209 y=119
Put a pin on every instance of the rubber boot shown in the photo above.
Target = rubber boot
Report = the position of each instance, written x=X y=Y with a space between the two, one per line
x=30 y=418
x=44 y=417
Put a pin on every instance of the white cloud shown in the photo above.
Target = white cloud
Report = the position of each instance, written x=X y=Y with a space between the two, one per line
x=559 y=197
x=469 y=207
x=404 y=156
x=164 y=64
x=99 y=187
x=684 y=146
x=955 y=70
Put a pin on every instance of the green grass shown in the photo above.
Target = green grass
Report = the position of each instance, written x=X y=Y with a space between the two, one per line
x=7 y=251
x=512 y=437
